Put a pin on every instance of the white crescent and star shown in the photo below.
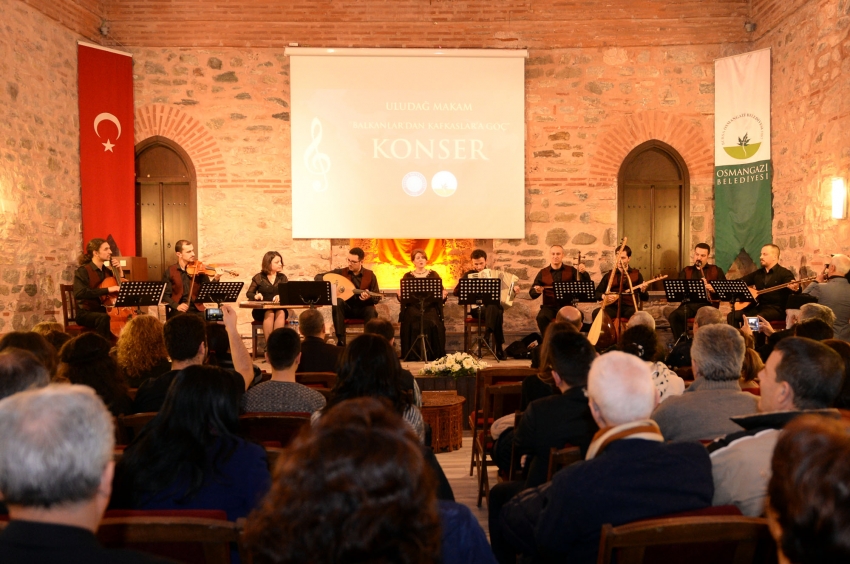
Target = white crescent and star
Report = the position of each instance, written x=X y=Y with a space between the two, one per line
x=107 y=117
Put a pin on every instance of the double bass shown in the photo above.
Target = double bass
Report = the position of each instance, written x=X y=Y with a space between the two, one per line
x=118 y=316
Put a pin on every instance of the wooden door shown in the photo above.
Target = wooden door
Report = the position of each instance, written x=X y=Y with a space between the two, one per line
x=653 y=192
x=165 y=203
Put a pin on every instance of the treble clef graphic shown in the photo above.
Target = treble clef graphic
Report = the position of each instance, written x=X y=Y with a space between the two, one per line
x=315 y=161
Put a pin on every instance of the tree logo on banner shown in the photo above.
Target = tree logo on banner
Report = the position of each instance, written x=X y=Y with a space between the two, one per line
x=742 y=136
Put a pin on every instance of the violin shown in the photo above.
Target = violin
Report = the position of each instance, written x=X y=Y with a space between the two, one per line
x=197 y=267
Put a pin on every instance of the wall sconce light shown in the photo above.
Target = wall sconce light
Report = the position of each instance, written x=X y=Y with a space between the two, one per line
x=839 y=199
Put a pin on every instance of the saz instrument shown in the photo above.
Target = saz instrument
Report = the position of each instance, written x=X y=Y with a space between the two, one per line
x=596 y=328
x=616 y=296
x=756 y=293
x=507 y=283
x=345 y=288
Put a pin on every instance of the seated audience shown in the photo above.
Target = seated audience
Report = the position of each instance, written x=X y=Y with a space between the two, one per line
x=814 y=329
x=541 y=385
x=809 y=499
x=832 y=290
x=218 y=352
x=572 y=318
x=703 y=411
x=282 y=393
x=680 y=356
x=189 y=456
x=19 y=371
x=356 y=489
x=57 y=339
x=186 y=343
x=141 y=352
x=34 y=343
x=56 y=477
x=750 y=369
x=641 y=318
x=385 y=329
x=642 y=342
x=800 y=376
x=843 y=349
x=807 y=312
x=85 y=360
x=44 y=328
x=629 y=473
x=316 y=354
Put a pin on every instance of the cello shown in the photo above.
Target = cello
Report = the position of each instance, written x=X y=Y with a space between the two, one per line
x=118 y=316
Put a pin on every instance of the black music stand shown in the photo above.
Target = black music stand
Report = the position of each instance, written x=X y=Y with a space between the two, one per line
x=479 y=292
x=687 y=292
x=219 y=292
x=418 y=291
x=733 y=291
x=138 y=294
x=574 y=292
x=301 y=292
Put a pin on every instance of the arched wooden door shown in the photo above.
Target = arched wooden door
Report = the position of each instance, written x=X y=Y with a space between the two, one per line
x=653 y=208
x=166 y=202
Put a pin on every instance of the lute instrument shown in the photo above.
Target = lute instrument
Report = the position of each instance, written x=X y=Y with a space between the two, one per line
x=756 y=293
x=615 y=296
x=345 y=288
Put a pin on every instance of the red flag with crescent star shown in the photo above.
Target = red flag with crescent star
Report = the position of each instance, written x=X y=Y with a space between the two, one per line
x=107 y=152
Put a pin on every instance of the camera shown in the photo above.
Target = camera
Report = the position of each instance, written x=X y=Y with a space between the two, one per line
x=753 y=322
x=213 y=314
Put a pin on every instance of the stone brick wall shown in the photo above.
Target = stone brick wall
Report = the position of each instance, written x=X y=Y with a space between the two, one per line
x=39 y=165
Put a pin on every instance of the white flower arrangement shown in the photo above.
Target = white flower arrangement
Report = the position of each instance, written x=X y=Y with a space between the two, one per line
x=455 y=365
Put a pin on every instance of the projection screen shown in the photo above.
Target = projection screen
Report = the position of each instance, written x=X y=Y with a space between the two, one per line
x=407 y=143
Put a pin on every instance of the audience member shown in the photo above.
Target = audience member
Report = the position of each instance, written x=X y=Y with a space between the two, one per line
x=843 y=350
x=34 y=343
x=800 y=376
x=316 y=354
x=141 y=352
x=85 y=360
x=57 y=339
x=56 y=477
x=385 y=329
x=629 y=473
x=573 y=319
x=750 y=369
x=282 y=393
x=20 y=370
x=703 y=411
x=642 y=342
x=218 y=352
x=641 y=318
x=356 y=488
x=833 y=291
x=542 y=385
x=814 y=329
x=189 y=457
x=809 y=501
x=680 y=356
x=808 y=312
x=46 y=327
x=186 y=343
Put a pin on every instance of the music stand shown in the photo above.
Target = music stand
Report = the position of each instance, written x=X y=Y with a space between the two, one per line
x=687 y=292
x=138 y=294
x=300 y=292
x=479 y=292
x=733 y=291
x=574 y=292
x=418 y=291
x=219 y=292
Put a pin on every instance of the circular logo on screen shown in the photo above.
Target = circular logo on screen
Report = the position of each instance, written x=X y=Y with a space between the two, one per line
x=414 y=183
x=742 y=136
x=444 y=183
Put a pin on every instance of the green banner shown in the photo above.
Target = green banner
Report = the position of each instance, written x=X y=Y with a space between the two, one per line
x=743 y=210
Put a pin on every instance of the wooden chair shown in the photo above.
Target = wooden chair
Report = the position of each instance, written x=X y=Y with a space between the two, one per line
x=561 y=458
x=272 y=429
x=496 y=398
x=489 y=377
x=273 y=454
x=181 y=538
x=69 y=310
x=128 y=427
x=470 y=328
x=316 y=379
x=695 y=540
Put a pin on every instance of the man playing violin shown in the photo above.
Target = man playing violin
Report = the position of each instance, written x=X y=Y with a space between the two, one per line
x=700 y=269
x=620 y=288
x=543 y=284
x=771 y=305
x=177 y=300
x=88 y=277
x=358 y=306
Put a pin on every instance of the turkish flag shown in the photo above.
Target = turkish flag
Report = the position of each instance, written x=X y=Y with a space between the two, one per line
x=107 y=152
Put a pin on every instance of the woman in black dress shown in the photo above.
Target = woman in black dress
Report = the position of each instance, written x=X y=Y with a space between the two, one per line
x=263 y=288
x=435 y=330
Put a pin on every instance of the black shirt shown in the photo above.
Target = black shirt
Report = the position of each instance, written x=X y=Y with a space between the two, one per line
x=82 y=290
x=557 y=276
x=187 y=284
x=763 y=278
x=615 y=287
x=357 y=279
x=260 y=283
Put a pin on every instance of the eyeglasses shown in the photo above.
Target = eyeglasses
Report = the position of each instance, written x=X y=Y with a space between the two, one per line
x=353 y=261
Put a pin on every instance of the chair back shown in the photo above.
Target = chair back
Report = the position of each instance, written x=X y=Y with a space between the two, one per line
x=499 y=400
x=494 y=376
x=316 y=379
x=69 y=305
x=696 y=540
x=561 y=458
x=178 y=535
x=128 y=427
x=272 y=429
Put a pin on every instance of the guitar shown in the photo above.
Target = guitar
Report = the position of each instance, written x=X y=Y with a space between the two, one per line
x=616 y=296
x=345 y=288
x=756 y=293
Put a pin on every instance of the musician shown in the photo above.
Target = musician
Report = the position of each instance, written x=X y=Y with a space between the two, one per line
x=700 y=269
x=410 y=314
x=771 y=306
x=491 y=313
x=358 y=306
x=264 y=288
x=620 y=288
x=833 y=290
x=176 y=297
x=557 y=271
x=93 y=270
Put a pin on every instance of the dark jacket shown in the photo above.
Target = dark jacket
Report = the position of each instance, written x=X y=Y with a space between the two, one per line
x=318 y=356
x=631 y=479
